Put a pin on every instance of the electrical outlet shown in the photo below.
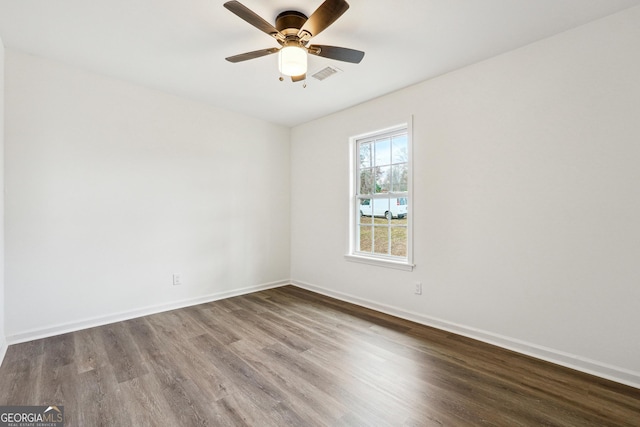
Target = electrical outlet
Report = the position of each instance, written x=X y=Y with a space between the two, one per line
x=177 y=279
x=418 y=289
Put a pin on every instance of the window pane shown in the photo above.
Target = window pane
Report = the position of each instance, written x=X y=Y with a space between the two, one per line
x=365 y=155
x=365 y=239
x=399 y=177
x=381 y=240
x=366 y=181
x=381 y=196
x=399 y=239
x=366 y=216
x=383 y=152
x=383 y=179
x=380 y=207
x=399 y=149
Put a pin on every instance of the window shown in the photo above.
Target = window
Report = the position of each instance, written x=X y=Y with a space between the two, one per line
x=381 y=198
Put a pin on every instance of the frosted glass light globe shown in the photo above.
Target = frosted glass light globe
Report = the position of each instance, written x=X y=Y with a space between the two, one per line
x=292 y=61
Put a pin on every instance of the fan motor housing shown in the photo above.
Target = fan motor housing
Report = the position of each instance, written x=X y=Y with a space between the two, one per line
x=289 y=22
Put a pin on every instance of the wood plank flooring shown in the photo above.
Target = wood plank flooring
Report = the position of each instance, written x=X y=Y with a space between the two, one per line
x=289 y=357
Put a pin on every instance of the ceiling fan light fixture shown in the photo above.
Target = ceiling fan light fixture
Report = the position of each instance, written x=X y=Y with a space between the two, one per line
x=293 y=31
x=292 y=61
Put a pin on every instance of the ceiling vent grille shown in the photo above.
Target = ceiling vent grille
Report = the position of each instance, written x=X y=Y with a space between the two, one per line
x=326 y=73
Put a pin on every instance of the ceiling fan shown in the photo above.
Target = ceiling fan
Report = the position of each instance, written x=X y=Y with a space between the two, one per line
x=293 y=30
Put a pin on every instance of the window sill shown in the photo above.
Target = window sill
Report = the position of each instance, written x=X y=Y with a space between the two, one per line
x=398 y=265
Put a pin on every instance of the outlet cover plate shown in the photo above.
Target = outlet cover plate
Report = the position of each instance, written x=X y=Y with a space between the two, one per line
x=177 y=279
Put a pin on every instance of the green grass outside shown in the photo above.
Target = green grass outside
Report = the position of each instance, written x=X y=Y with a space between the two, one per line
x=376 y=231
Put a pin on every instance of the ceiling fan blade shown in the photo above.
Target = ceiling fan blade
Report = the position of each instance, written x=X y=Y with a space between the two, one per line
x=337 y=53
x=253 y=18
x=252 y=55
x=298 y=78
x=324 y=16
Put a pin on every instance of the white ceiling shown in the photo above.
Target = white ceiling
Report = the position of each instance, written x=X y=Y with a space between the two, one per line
x=179 y=46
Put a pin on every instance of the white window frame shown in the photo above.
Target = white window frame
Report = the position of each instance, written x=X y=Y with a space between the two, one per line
x=379 y=259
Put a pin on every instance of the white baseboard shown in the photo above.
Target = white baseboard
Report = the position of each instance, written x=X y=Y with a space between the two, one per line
x=572 y=361
x=126 y=315
x=3 y=349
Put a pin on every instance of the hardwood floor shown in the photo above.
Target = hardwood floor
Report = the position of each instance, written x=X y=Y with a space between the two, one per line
x=289 y=357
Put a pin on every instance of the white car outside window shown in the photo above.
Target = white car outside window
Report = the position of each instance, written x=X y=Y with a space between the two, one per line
x=389 y=208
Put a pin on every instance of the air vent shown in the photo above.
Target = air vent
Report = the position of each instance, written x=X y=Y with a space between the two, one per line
x=326 y=73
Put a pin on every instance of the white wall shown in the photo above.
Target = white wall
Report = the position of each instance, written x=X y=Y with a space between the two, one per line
x=526 y=227
x=3 y=344
x=112 y=187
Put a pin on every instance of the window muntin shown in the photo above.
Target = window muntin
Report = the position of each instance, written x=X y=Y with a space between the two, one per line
x=381 y=197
